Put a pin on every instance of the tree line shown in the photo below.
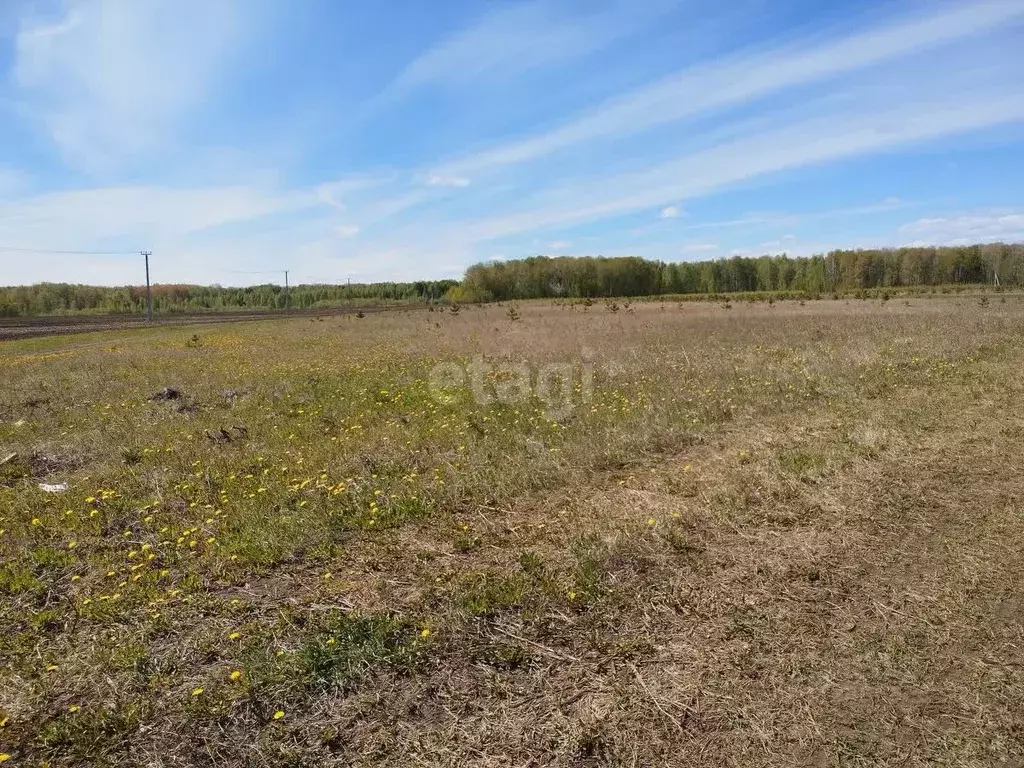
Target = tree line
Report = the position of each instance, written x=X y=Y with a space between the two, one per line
x=65 y=298
x=562 y=277
x=595 y=277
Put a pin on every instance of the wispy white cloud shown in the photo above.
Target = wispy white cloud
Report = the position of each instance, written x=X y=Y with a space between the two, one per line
x=519 y=36
x=138 y=216
x=787 y=219
x=746 y=77
x=202 y=234
x=813 y=141
x=670 y=212
x=847 y=129
x=437 y=180
x=785 y=241
x=341 y=192
x=698 y=247
x=114 y=78
x=984 y=226
x=12 y=181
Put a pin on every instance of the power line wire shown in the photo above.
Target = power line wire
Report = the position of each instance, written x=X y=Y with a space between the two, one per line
x=13 y=249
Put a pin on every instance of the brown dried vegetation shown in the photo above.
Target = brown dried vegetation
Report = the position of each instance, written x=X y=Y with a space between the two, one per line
x=774 y=535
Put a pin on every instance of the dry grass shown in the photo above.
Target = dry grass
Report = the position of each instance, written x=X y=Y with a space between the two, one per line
x=783 y=534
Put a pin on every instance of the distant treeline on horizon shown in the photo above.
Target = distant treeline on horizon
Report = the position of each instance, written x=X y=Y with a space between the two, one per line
x=562 y=277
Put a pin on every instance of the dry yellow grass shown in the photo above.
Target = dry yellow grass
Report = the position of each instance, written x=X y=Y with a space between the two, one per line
x=772 y=535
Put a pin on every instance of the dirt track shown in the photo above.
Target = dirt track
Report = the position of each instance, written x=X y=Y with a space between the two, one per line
x=27 y=327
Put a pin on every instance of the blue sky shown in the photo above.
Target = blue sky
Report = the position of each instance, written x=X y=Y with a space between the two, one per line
x=402 y=139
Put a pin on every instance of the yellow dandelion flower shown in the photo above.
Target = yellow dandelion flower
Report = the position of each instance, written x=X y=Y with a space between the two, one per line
x=236 y=674
x=651 y=521
x=425 y=632
x=197 y=691
x=74 y=708
x=4 y=757
x=36 y=521
x=234 y=635
x=278 y=715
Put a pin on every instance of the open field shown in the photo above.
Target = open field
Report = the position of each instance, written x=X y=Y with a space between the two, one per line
x=787 y=534
x=24 y=326
x=59 y=325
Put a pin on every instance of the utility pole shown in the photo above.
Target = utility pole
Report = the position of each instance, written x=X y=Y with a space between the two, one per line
x=149 y=295
x=286 y=297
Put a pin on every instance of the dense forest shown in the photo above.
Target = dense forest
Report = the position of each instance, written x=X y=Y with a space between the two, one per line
x=563 y=277
x=839 y=270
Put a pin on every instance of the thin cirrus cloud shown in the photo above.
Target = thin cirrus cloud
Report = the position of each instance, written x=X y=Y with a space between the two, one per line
x=137 y=216
x=691 y=248
x=967 y=227
x=760 y=219
x=812 y=141
x=114 y=79
x=437 y=180
x=746 y=77
x=520 y=36
x=11 y=181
